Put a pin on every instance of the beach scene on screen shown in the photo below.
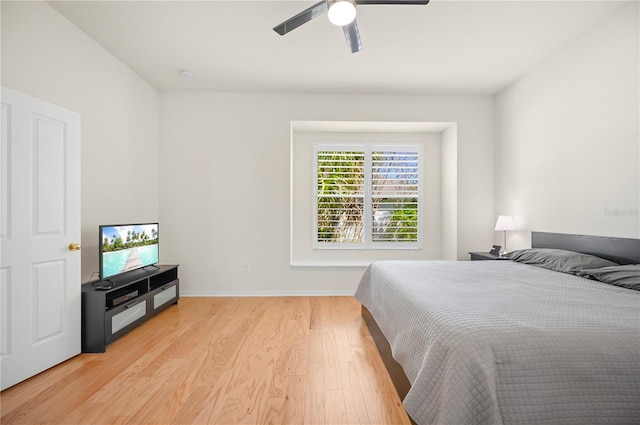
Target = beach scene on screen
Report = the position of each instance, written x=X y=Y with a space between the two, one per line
x=126 y=248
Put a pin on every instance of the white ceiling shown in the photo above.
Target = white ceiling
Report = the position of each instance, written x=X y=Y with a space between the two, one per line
x=448 y=46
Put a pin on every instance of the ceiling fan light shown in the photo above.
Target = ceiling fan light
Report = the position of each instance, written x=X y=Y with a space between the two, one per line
x=341 y=12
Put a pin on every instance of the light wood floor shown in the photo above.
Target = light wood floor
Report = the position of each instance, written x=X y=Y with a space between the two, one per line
x=285 y=360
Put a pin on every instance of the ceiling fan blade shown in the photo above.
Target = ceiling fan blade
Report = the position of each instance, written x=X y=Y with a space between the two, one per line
x=352 y=34
x=415 y=2
x=301 y=18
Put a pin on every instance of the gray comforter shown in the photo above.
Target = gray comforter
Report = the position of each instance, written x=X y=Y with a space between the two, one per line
x=498 y=342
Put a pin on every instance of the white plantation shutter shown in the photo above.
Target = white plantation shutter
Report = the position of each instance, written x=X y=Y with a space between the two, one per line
x=367 y=196
x=340 y=200
x=394 y=196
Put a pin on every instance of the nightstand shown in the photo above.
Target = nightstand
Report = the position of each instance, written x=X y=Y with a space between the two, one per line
x=476 y=256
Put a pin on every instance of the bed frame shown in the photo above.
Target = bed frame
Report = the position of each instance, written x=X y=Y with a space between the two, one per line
x=619 y=250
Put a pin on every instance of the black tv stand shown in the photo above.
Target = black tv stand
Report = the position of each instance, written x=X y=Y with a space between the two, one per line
x=113 y=307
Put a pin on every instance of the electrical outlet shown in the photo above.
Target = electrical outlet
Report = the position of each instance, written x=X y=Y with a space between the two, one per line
x=245 y=268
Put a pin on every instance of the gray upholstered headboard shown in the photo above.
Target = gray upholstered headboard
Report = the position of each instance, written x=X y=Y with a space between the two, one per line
x=620 y=250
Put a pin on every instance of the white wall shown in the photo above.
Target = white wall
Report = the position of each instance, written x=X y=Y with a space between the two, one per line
x=47 y=57
x=567 y=138
x=449 y=193
x=224 y=179
x=567 y=156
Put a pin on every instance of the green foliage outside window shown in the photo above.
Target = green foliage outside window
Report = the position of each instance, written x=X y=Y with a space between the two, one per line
x=340 y=196
x=341 y=201
x=401 y=224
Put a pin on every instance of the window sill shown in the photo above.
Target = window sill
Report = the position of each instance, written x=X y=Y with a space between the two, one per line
x=326 y=264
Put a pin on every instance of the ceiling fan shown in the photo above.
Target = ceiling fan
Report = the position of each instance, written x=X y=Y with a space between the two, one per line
x=341 y=13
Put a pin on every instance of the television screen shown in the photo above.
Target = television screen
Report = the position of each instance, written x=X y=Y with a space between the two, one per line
x=127 y=247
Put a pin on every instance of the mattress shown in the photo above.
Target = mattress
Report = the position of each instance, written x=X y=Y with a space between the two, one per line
x=498 y=342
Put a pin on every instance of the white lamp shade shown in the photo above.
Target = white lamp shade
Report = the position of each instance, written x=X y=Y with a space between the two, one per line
x=342 y=12
x=505 y=222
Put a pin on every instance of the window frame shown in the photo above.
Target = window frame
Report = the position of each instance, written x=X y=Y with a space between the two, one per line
x=368 y=243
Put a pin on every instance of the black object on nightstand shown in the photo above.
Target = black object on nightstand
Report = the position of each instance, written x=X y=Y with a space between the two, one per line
x=477 y=256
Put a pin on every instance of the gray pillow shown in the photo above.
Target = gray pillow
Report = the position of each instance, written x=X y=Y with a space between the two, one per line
x=559 y=260
x=627 y=276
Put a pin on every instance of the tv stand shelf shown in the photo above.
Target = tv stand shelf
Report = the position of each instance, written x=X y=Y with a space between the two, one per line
x=111 y=308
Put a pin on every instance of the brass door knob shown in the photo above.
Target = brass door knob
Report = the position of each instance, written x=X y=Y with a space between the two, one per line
x=74 y=247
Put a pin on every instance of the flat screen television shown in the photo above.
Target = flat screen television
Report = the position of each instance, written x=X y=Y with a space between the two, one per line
x=127 y=247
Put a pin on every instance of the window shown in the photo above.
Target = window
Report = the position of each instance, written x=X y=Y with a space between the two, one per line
x=437 y=215
x=367 y=196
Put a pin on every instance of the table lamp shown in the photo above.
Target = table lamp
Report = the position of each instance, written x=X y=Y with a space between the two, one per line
x=504 y=223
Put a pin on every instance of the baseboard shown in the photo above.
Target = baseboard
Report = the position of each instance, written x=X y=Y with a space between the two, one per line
x=328 y=293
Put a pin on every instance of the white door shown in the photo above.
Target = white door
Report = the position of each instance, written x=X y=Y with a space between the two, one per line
x=39 y=219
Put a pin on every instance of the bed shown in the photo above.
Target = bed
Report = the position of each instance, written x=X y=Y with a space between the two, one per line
x=502 y=342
